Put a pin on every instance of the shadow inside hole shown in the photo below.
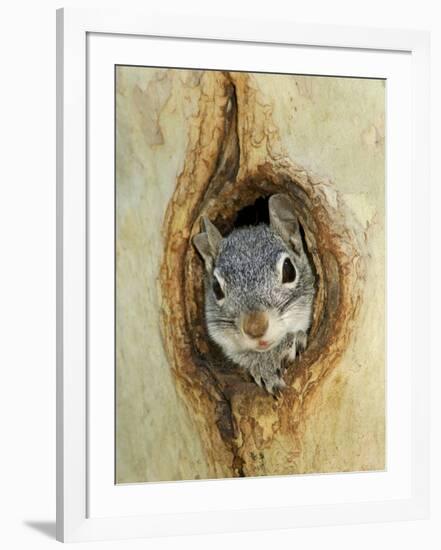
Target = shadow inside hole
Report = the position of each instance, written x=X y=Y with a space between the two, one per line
x=253 y=214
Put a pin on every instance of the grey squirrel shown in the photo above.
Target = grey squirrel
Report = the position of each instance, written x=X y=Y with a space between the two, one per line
x=259 y=292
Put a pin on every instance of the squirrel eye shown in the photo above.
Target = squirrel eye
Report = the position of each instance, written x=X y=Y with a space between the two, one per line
x=288 y=271
x=218 y=292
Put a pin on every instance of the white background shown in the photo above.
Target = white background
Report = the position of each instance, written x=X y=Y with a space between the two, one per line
x=27 y=275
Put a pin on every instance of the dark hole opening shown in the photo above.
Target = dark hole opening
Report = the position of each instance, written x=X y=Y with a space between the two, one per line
x=253 y=214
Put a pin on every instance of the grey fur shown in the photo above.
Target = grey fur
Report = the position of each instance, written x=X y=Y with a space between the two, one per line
x=246 y=264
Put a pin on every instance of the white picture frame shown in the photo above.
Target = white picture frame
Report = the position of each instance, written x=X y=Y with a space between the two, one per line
x=74 y=520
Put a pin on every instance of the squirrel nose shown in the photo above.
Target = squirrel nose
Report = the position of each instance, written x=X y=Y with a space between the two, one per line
x=254 y=324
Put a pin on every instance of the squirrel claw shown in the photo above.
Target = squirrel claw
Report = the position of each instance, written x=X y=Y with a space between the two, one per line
x=276 y=388
x=269 y=377
x=301 y=342
x=276 y=394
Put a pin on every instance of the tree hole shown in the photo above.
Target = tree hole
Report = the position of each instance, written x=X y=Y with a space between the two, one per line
x=332 y=254
x=249 y=207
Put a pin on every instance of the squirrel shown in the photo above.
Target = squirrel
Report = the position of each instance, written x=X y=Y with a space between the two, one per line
x=259 y=292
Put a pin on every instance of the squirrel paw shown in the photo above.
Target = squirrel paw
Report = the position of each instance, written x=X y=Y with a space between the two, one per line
x=272 y=382
x=299 y=344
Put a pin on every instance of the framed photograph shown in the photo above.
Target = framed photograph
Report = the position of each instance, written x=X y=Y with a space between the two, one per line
x=242 y=275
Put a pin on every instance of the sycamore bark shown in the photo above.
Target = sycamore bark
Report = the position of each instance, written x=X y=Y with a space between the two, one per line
x=226 y=139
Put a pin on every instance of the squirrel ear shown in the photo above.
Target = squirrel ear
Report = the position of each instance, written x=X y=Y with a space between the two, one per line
x=284 y=221
x=213 y=234
x=208 y=242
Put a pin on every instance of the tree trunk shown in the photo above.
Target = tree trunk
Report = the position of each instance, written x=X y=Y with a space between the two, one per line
x=239 y=137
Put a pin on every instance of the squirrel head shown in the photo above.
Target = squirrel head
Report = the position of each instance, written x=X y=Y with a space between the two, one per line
x=259 y=284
